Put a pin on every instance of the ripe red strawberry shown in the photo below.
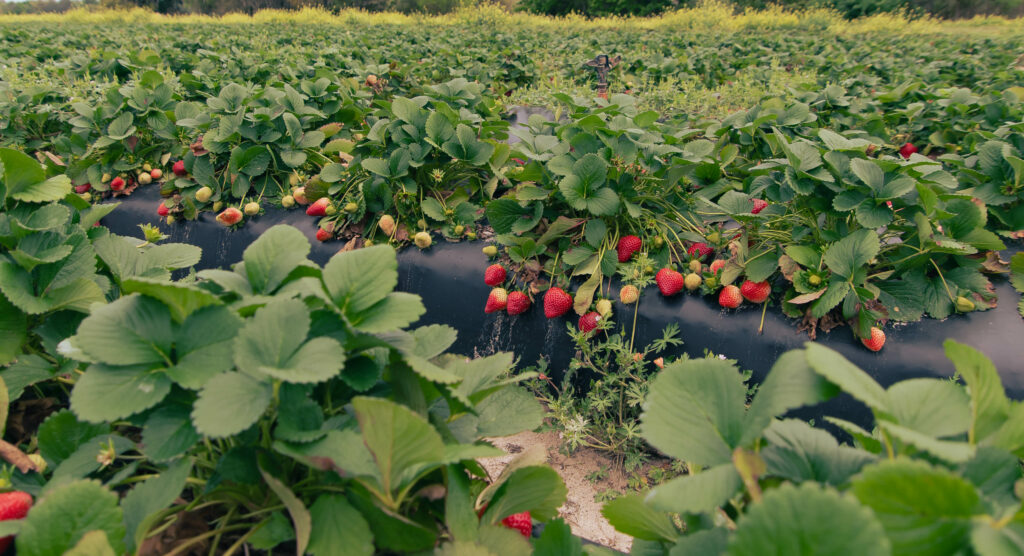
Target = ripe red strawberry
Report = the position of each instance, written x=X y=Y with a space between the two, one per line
x=494 y=275
x=759 y=205
x=699 y=250
x=518 y=303
x=669 y=281
x=319 y=208
x=556 y=303
x=83 y=188
x=117 y=184
x=162 y=209
x=907 y=149
x=179 y=168
x=876 y=341
x=14 y=505
x=716 y=265
x=628 y=245
x=520 y=522
x=323 y=235
x=730 y=297
x=589 y=321
x=755 y=292
x=496 y=301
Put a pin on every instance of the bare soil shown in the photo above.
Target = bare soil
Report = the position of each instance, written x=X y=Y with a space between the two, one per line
x=580 y=511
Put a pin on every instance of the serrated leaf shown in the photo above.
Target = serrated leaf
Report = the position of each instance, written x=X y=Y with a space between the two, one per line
x=924 y=509
x=703 y=492
x=59 y=520
x=630 y=515
x=106 y=393
x=807 y=520
x=356 y=280
x=338 y=528
x=229 y=403
x=134 y=330
x=273 y=343
x=402 y=442
x=273 y=256
x=168 y=433
x=852 y=252
x=800 y=453
x=695 y=411
x=851 y=379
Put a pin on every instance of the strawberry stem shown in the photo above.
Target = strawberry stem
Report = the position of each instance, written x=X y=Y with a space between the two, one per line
x=764 y=309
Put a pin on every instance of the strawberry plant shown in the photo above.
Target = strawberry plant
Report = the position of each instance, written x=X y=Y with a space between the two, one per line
x=286 y=376
x=770 y=484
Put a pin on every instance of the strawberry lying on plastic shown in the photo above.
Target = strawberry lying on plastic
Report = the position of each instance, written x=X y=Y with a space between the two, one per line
x=497 y=300
x=556 y=303
x=494 y=275
x=518 y=303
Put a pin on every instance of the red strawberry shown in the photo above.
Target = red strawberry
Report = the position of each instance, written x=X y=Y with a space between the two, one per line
x=319 y=208
x=518 y=303
x=162 y=210
x=494 y=275
x=556 y=303
x=83 y=188
x=669 y=281
x=907 y=149
x=179 y=168
x=496 y=301
x=716 y=265
x=699 y=250
x=230 y=216
x=520 y=522
x=589 y=321
x=759 y=205
x=627 y=246
x=876 y=341
x=323 y=235
x=730 y=297
x=117 y=184
x=15 y=505
x=755 y=292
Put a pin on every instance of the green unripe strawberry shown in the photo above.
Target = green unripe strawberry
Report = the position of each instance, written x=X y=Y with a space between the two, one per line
x=490 y=251
x=251 y=208
x=814 y=280
x=964 y=305
x=351 y=207
x=471 y=235
x=714 y=238
x=692 y=281
x=330 y=210
x=203 y=194
x=422 y=240
x=287 y=201
x=695 y=265
x=459 y=228
x=218 y=206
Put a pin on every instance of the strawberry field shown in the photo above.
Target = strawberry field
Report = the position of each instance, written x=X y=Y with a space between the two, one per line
x=276 y=283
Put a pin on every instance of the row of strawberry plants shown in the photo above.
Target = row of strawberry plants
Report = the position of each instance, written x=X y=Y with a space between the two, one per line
x=608 y=172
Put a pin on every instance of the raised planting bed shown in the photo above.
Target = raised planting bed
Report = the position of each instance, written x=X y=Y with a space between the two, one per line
x=449 y=277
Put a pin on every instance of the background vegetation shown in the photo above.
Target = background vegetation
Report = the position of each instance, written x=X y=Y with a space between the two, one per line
x=953 y=9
